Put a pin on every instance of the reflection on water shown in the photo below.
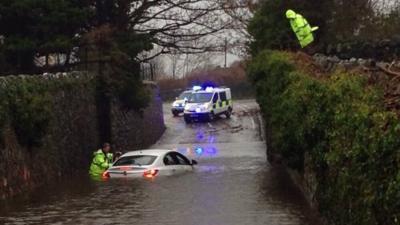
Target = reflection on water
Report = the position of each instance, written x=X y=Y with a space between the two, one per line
x=221 y=191
x=198 y=151
x=207 y=148
x=232 y=185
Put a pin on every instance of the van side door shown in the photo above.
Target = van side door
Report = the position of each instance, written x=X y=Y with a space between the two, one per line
x=215 y=103
x=224 y=101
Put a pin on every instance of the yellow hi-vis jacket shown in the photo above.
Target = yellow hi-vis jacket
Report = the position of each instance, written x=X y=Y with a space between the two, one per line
x=100 y=163
x=301 y=27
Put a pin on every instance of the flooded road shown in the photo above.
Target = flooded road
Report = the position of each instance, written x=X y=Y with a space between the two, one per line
x=233 y=184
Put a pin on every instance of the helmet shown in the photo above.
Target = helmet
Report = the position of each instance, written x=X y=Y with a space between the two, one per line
x=290 y=14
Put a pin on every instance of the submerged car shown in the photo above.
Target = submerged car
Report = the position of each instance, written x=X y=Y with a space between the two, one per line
x=149 y=164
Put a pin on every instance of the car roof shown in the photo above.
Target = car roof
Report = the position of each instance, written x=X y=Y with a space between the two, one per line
x=155 y=152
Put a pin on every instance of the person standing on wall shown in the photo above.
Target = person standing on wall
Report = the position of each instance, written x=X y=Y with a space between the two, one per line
x=301 y=27
x=102 y=159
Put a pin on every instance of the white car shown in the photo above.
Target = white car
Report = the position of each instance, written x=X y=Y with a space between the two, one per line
x=149 y=164
x=178 y=105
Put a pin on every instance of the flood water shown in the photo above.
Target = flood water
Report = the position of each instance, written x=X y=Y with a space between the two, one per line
x=232 y=184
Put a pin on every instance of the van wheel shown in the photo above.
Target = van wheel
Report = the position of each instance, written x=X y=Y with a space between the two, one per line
x=228 y=113
x=175 y=114
x=211 y=116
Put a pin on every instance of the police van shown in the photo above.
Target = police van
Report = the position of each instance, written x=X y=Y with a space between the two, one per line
x=207 y=103
x=179 y=104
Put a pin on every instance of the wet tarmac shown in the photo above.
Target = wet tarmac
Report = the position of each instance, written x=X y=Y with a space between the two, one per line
x=232 y=184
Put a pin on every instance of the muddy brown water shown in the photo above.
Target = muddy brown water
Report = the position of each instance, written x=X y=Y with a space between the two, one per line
x=233 y=184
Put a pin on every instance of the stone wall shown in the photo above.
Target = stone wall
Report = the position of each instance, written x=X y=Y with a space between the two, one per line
x=383 y=50
x=72 y=133
x=132 y=130
x=331 y=63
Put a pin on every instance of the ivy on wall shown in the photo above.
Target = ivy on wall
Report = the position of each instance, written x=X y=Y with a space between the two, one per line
x=26 y=104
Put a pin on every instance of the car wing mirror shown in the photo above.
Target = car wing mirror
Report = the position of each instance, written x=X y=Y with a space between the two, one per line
x=194 y=162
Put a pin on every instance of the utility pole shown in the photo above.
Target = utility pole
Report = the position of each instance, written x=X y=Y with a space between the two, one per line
x=226 y=49
x=186 y=66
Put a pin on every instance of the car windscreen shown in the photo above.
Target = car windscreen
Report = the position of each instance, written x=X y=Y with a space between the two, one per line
x=200 y=97
x=136 y=160
x=184 y=95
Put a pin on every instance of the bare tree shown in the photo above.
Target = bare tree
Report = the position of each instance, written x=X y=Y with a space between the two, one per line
x=187 y=26
x=199 y=61
x=189 y=32
x=240 y=13
x=175 y=66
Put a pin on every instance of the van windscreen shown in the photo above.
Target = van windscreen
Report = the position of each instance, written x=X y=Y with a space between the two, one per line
x=184 y=95
x=200 y=97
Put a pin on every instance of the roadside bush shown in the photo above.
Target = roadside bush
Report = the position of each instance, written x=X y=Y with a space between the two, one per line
x=132 y=94
x=342 y=124
x=26 y=104
x=29 y=107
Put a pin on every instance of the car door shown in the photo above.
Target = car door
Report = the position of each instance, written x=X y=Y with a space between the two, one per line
x=184 y=164
x=171 y=165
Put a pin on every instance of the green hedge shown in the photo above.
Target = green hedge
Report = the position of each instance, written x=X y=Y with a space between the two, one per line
x=26 y=103
x=341 y=123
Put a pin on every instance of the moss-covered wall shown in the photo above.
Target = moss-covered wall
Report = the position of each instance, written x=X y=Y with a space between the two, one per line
x=49 y=128
x=336 y=127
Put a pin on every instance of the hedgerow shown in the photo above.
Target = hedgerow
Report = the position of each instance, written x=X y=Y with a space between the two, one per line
x=341 y=123
x=26 y=104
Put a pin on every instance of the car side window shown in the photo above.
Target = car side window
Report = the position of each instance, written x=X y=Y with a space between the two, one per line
x=169 y=160
x=215 y=98
x=182 y=160
x=222 y=96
